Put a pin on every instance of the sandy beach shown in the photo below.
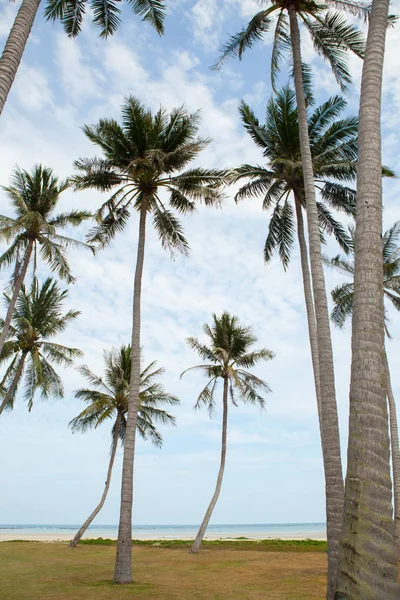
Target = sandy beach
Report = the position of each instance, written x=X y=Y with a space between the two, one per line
x=45 y=537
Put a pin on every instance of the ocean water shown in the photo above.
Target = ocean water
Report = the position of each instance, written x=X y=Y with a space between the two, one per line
x=260 y=531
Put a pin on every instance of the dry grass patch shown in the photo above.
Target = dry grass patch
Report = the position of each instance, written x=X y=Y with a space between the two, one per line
x=38 y=571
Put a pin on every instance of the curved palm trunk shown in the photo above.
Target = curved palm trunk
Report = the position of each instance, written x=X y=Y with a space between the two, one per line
x=394 y=442
x=308 y=296
x=329 y=418
x=203 y=527
x=14 y=384
x=123 y=563
x=98 y=508
x=19 y=280
x=368 y=558
x=15 y=46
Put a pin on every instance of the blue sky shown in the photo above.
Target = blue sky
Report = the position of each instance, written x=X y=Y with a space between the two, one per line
x=274 y=467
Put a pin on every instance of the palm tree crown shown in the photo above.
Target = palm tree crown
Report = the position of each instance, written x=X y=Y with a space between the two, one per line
x=37 y=318
x=330 y=33
x=343 y=294
x=106 y=14
x=34 y=197
x=333 y=143
x=108 y=398
x=140 y=158
x=229 y=357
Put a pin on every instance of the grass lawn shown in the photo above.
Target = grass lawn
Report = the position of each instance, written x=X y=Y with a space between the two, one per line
x=40 y=571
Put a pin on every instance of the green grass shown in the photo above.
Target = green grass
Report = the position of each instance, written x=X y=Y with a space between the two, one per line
x=275 y=545
x=221 y=571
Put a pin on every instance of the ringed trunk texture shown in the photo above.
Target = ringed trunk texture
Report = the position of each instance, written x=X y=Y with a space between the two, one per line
x=203 y=527
x=308 y=296
x=98 y=508
x=394 y=442
x=329 y=417
x=368 y=558
x=19 y=280
x=14 y=384
x=15 y=46
x=123 y=563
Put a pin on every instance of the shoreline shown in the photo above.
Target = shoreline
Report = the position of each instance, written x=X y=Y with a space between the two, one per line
x=38 y=537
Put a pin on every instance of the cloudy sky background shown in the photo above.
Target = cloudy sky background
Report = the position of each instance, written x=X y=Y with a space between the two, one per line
x=274 y=467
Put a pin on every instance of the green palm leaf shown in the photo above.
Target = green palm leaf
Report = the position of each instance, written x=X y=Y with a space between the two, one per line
x=228 y=348
x=37 y=317
x=108 y=398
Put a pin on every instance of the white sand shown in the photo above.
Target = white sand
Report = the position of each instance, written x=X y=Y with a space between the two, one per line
x=38 y=537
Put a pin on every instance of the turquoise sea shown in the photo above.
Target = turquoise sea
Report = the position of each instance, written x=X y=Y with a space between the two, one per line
x=257 y=531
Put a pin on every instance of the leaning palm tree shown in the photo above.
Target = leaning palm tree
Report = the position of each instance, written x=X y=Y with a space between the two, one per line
x=107 y=398
x=30 y=351
x=332 y=38
x=368 y=567
x=35 y=226
x=343 y=296
x=143 y=157
x=106 y=16
x=280 y=183
x=228 y=356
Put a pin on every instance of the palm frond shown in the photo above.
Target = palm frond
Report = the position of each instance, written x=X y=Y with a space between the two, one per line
x=246 y=38
x=105 y=16
x=206 y=397
x=333 y=227
x=281 y=45
x=152 y=11
x=250 y=359
x=342 y=297
x=170 y=230
x=339 y=197
x=325 y=37
x=281 y=234
x=74 y=218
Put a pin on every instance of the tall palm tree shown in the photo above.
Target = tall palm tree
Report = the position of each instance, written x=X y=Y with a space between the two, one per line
x=106 y=16
x=142 y=158
x=30 y=351
x=34 y=198
x=368 y=558
x=343 y=296
x=333 y=143
x=107 y=398
x=332 y=37
x=228 y=356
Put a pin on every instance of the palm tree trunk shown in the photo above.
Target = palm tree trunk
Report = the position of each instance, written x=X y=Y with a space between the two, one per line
x=308 y=296
x=368 y=558
x=329 y=417
x=203 y=527
x=14 y=384
x=98 y=508
x=15 y=46
x=394 y=442
x=19 y=280
x=123 y=563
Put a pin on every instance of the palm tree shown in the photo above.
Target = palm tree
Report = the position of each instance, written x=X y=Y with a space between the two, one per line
x=368 y=559
x=34 y=197
x=228 y=358
x=142 y=157
x=332 y=37
x=343 y=296
x=333 y=143
x=108 y=399
x=30 y=351
x=106 y=16
x=280 y=183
